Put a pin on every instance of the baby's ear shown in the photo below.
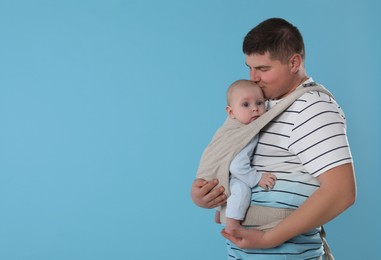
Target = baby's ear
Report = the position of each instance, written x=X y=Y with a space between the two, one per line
x=229 y=111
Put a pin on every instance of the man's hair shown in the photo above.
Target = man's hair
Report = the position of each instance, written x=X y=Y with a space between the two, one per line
x=277 y=36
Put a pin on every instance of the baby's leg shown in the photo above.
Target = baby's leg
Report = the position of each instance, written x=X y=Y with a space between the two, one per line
x=237 y=204
x=232 y=224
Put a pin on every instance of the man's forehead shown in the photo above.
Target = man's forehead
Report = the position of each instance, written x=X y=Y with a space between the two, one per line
x=254 y=60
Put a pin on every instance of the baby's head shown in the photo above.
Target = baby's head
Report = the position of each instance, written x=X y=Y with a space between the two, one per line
x=245 y=101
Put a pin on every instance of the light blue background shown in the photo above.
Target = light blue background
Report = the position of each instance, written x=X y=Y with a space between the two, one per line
x=106 y=107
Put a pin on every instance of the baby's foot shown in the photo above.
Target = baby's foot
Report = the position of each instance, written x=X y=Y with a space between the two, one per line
x=232 y=224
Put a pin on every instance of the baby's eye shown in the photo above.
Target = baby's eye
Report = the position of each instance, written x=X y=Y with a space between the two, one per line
x=245 y=104
x=260 y=103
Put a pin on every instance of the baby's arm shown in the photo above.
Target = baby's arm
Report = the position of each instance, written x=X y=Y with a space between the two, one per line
x=241 y=168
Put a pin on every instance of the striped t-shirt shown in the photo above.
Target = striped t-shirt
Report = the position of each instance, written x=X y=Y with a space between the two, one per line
x=303 y=142
x=306 y=140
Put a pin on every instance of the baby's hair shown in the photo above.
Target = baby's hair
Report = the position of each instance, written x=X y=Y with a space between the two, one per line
x=239 y=84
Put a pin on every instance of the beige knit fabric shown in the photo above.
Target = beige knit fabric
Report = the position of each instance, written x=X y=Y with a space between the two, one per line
x=232 y=137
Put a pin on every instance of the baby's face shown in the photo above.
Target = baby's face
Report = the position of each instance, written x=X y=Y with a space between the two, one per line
x=247 y=104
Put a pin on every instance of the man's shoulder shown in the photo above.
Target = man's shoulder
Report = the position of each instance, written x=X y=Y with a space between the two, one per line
x=314 y=103
x=316 y=98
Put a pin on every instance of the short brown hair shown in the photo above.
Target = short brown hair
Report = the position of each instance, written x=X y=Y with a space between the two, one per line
x=277 y=36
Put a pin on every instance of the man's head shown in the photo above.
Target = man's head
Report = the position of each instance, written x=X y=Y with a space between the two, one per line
x=275 y=56
x=276 y=36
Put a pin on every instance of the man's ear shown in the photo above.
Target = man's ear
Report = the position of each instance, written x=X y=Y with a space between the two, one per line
x=229 y=111
x=296 y=61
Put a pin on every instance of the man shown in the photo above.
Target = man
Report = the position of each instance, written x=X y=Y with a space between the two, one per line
x=306 y=147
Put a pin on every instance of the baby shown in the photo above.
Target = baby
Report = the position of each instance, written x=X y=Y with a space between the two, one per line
x=245 y=103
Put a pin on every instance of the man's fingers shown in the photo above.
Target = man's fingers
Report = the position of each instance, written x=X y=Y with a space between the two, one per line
x=207 y=194
x=234 y=239
x=208 y=186
x=198 y=183
x=215 y=198
x=237 y=233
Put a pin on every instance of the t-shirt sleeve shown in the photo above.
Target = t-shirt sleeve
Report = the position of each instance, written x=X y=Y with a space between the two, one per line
x=319 y=136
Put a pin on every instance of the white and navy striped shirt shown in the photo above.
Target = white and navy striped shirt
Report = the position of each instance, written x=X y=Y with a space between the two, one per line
x=306 y=140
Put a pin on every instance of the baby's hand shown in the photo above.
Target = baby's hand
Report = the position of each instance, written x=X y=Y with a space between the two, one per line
x=267 y=181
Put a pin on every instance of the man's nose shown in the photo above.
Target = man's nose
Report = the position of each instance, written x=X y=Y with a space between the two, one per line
x=254 y=76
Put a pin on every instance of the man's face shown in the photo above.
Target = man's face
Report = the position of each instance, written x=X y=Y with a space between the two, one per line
x=275 y=78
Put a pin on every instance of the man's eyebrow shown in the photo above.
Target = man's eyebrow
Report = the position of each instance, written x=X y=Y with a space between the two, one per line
x=258 y=67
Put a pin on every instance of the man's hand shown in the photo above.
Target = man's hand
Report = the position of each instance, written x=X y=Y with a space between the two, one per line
x=248 y=238
x=336 y=193
x=206 y=194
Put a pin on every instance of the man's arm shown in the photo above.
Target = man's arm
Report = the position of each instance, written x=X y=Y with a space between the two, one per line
x=204 y=195
x=336 y=193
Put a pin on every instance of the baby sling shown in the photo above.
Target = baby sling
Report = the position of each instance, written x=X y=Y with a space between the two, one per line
x=229 y=140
